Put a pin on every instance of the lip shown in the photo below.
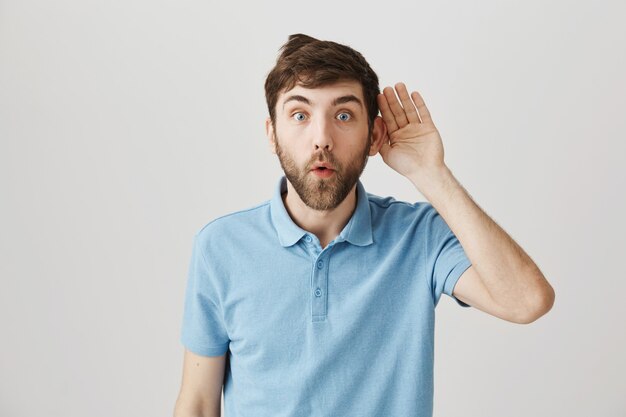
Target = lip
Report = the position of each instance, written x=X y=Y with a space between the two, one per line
x=322 y=164
x=323 y=173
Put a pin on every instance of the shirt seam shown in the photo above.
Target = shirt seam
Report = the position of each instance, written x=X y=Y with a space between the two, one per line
x=387 y=205
x=258 y=206
x=426 y=275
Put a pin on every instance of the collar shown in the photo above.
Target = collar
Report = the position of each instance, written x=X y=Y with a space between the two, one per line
x=357 y=231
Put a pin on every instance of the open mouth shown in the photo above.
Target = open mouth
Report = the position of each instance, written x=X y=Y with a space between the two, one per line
x=323 y=172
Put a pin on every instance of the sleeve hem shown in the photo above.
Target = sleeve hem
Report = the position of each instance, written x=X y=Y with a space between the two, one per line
x=216 y=350
x=453 y=278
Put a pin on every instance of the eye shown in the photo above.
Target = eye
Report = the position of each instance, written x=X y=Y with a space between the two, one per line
x=299 y=116
x=344 y=117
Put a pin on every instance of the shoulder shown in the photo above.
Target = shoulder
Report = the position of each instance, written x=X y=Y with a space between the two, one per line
x=235 y=223
x=391 y=208
x=397 y=220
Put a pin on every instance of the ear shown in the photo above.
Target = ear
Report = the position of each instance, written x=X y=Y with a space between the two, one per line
x=379 y=135
x=269 y=132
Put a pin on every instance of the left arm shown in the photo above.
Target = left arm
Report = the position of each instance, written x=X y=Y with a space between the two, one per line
x=501 y=267
x=502 y=280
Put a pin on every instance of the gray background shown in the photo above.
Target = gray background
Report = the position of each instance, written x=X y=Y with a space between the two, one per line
x=125 y=126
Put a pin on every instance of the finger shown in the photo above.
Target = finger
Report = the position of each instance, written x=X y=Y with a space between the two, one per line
x=421 y=107
x=386 y=113
x=396 y=108
x=407 y=103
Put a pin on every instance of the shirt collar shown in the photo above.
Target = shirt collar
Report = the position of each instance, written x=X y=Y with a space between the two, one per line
x=357 y=231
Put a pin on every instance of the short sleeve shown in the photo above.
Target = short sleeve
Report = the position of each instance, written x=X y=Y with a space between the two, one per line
x=446 y=258
x=203 y=330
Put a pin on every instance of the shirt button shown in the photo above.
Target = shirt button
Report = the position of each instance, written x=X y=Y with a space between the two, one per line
x=320 y=264
x=307 y=238
x=318 y=292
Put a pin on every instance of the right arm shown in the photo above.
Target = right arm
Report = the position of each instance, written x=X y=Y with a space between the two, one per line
x=201 y=389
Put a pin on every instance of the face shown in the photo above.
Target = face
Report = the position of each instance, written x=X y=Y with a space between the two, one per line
x=322 y=125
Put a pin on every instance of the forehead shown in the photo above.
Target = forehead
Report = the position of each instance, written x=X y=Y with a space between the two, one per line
x=323 y=95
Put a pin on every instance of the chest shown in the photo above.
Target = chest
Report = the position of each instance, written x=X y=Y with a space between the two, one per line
x=287 y=308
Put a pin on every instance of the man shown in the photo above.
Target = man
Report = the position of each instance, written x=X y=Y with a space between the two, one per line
x=320 y=301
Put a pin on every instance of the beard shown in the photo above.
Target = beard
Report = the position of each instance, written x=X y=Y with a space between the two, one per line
x=323 y=193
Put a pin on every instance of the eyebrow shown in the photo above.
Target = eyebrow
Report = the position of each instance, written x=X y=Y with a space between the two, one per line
x=339 y=100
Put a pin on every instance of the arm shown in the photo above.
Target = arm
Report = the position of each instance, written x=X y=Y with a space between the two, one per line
x=201 y=389
x=502 y=280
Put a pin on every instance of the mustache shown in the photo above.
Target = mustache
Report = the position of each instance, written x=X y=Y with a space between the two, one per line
x=319 y=158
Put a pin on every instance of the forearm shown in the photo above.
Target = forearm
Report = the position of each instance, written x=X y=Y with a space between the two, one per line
x=182 y=409
x=180 y=413
x=513 y=280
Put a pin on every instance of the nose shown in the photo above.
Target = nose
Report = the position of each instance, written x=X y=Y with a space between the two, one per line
x=322 y=135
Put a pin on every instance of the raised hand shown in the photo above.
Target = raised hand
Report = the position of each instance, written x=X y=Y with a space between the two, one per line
x=412 y=146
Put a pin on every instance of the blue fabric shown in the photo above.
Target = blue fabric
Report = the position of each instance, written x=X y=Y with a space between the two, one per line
x=344 y=331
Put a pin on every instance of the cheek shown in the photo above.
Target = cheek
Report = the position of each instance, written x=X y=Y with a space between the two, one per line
x=355 y=134
x=289 y=151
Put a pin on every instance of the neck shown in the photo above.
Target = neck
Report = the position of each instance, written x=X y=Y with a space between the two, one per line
x=326 y=224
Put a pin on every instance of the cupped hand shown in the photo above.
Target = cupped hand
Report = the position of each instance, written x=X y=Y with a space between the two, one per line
x=412 y=144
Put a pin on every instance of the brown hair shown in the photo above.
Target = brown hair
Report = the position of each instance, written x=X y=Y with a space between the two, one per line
x=313 y=63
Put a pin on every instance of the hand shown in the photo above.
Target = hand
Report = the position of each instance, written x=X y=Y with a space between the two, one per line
x=412 y=145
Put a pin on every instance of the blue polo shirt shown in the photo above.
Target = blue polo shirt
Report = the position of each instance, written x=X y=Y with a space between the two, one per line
x=347 y=330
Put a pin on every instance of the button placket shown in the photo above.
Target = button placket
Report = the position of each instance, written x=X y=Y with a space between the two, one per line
x=319 y=285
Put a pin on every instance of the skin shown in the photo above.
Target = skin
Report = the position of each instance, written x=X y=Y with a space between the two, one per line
x=502 y=281
x=321 y=131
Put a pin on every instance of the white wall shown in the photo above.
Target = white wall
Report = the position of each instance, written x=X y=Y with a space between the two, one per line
x=127 y=125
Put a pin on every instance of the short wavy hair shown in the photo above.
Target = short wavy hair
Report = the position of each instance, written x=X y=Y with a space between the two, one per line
x=312 y=63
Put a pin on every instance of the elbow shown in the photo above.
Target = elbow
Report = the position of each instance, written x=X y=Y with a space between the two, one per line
x=540 y=308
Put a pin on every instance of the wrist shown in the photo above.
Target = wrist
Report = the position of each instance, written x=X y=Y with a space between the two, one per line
x=438 y=185
x=431 y=179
